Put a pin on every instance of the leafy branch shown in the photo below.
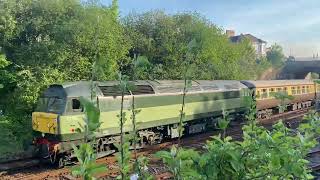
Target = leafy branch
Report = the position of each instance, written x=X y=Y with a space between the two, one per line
x=85 y=153
x=283 y=97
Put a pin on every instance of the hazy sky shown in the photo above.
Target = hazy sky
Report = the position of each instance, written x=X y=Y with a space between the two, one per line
x=294 y=24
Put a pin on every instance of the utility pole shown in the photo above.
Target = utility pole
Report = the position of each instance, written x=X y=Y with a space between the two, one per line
x=290 y=53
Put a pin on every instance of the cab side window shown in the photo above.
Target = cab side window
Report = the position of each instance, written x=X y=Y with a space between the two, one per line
x=76 y=106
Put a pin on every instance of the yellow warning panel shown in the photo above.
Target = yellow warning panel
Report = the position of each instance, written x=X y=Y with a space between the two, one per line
x=45 y=122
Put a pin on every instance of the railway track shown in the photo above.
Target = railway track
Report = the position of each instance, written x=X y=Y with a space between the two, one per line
x=31 y=169
x=314 y=158
x=286 y=116
x=40 y=172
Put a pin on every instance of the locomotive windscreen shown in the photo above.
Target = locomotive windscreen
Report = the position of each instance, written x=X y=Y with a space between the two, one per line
x=53 y=100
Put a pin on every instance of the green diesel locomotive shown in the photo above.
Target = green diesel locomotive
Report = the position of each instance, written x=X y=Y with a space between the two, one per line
x=60 y=113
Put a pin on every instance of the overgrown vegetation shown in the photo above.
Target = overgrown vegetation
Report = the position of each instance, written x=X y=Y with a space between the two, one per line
x=85 y=153
x=263 y=154
x=164 y=40
x=47 y=42
x=174 y=158
x=188 y=65
x=124 y=154
x=44 y=42
x=283 y=97
x=275 y=56
x=140 y=64
x=3 y=63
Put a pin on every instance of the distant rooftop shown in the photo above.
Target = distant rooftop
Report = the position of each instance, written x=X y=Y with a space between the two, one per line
x=249 y=36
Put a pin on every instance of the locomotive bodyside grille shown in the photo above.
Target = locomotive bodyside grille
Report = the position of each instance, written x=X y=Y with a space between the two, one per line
x=115 y=90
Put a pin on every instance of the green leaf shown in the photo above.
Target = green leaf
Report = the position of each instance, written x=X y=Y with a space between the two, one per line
x=96 y=168
x=275 y=160
x=76 y=171
x=92 y=114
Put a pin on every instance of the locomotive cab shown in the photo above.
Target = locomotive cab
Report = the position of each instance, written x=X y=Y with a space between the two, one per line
x=45 y=122
x=57 y=117
x=52 y=103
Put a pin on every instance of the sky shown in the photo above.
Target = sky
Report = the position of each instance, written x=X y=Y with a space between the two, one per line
x=294 y=24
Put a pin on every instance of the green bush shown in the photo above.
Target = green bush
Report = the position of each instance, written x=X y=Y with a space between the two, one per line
x=279 y=153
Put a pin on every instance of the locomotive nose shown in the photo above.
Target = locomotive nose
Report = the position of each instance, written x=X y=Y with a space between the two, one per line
x=45 y=122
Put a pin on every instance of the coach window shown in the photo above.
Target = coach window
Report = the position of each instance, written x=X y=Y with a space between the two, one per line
x=298 y=90
x=76 y=107
x=258 y=96
x=308 y=89
x=279 y=89
x=303 y=90
x=293 y=90
x=271 y=90
x=285 y=90
x=318 y=88
x=264 y=94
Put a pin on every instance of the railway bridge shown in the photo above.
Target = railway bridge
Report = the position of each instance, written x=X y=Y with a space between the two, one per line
x=299 y=69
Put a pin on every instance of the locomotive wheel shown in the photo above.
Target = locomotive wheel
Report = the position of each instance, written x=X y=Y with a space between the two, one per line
x=42 y=151
x=59 y=162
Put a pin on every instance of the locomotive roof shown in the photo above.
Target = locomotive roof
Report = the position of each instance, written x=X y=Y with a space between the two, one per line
x=276 y=83
x=82 y=88
x=170 y=86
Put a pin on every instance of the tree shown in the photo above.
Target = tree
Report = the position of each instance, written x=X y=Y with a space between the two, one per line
x=283 y=97
x=49 y=42
x=276 y=56
x=3 y=63
x=163 y=40
x=85 y=153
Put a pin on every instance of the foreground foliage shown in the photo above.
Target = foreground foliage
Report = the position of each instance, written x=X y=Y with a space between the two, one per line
x=279 y=153
x=283 y=97
x=48 y=42
x=85 y=153
x=44 y=42
x=124 y=155
x=87 y=159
